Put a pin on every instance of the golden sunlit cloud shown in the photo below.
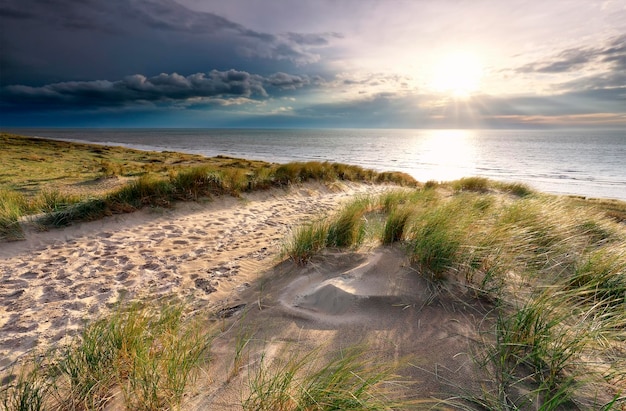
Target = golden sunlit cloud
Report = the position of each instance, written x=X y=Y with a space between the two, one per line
x=457 y=74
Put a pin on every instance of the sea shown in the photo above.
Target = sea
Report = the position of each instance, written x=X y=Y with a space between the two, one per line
x=583 y=162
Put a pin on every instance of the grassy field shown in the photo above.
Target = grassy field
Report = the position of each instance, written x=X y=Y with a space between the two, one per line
x=30 y=165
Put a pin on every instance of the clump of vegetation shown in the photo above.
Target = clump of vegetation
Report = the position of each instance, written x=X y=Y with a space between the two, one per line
x=554 y=270
x=306 y=241
x=478 y=184
x=517 y=189
x=12 y=207
x=348 y=381
x=396 y=224
x=347 y=228
x=150 y=354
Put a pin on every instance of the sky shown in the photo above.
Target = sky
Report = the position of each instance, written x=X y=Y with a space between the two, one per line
x=321 y=63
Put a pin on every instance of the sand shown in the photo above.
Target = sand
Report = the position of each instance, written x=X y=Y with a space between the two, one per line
x=223 y=254
x=51 y=282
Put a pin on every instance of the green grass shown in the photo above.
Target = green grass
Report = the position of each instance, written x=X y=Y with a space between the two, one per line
x=347 y=228
x=12 y=207
x=149 y=356
x=396 y=225
x=82 y=182
x=28 y=390
x=554 y=270
x=346 y=381
x=478 y=184
x=305 y=242
x=149 y=353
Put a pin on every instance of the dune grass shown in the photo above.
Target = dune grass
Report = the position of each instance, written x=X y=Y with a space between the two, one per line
x=138 y=357
x=12 y=206
x=296 y=381
x=554 y=269
x=346 y=228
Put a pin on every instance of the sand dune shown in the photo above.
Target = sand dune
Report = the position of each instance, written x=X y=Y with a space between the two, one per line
x=222 y=256
x=206 y=252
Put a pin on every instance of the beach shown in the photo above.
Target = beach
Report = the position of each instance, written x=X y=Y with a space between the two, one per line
x=430 y=305
x=214 y=255
x=204 y=252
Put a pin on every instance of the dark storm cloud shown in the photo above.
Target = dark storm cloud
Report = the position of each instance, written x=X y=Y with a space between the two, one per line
x=46 y=41
x=286 y=81
x=139 y=89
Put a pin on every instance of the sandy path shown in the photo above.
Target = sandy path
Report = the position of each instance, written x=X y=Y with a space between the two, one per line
x=207 y=252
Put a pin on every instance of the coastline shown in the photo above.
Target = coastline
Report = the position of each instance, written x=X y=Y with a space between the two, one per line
x=583 y=163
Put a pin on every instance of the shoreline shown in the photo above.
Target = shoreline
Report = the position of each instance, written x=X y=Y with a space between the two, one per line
x=562 y=179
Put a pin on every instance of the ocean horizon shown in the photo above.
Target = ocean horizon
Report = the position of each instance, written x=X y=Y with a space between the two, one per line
x=582 y=162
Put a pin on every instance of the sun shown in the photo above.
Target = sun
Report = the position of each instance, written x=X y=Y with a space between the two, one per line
x=457 y=74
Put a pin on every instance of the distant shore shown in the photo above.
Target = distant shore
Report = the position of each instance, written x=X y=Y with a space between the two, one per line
x=586 y=163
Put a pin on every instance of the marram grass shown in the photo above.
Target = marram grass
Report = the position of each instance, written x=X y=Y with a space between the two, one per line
x=150 y=353
x=170 y=183
x=554 y=269
x=12 y=207
x=297 y=382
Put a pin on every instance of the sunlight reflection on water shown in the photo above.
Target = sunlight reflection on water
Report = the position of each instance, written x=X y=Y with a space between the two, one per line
x=448 y=154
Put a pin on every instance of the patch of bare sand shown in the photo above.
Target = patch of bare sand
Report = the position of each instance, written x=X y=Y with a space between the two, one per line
x=206 y=253
x=370 y=299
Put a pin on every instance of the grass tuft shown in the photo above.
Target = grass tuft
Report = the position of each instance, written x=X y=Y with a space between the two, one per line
x=477 y=184
x=435 y=240
x=347 y=381
x=148 y=353
x=49 y=201
x=347 y=228
x=396 y=224
x=306 y=241
x=12 y=206
x=517 y=189
x=28 y=390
